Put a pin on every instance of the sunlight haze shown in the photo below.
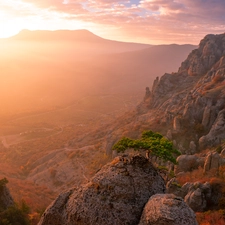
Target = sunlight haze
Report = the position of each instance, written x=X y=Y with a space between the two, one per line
x=86 y=84
x=145 y=21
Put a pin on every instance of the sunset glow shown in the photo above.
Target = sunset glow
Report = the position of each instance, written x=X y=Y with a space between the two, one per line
x=148 y=21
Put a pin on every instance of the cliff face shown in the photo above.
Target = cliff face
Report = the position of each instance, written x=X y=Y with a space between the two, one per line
x=191 y=102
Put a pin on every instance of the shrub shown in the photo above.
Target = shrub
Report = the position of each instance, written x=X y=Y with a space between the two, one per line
x=154 y=143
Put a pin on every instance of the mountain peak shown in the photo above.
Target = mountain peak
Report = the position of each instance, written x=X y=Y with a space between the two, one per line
x=210 y=50
x=57 y=35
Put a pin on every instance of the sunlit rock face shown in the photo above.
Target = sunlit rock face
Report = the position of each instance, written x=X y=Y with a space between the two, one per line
x=191 y=102
x=115 y=195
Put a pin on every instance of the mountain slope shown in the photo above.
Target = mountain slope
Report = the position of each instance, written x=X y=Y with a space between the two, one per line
x=76 y=37
x=187 y=106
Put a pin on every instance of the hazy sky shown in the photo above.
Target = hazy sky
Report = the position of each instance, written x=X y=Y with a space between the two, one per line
x=148 y=21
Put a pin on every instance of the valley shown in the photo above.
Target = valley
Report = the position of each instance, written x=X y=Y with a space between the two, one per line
x=58 y=99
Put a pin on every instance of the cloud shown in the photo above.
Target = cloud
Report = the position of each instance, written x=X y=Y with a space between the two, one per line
x=159 y=5
x=66 y=6
x=148 y=20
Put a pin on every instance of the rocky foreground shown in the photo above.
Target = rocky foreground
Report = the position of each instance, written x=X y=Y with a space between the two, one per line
x=128 y=190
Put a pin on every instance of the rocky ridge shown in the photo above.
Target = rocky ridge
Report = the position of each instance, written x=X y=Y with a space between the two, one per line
x=186 y=106
x=191 y=102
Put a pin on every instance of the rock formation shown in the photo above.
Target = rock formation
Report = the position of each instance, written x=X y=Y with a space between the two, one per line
x=115 y=195
x=190 y=103
x=167 y=209
x=198 y=196
x=195 y=95
x=187 y=106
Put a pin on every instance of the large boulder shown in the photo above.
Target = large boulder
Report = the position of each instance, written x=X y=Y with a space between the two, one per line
x=167 y=209
x=115 y=195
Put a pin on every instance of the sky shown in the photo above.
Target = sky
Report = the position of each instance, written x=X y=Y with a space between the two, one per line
x=143 y=21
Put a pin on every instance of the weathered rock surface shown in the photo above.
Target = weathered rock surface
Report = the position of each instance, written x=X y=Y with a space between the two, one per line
x=213 y=161
x=115 y=195
x=198 y=196
x=167 y=209
x=216 y=134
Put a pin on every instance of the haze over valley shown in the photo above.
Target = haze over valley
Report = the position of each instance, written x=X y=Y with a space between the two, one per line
x=44 y=70
x=64 y=85
x=112 y=112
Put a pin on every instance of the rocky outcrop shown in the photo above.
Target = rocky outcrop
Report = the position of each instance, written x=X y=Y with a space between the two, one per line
x=210 y=50
x=197 y=195
x=216 y=133
x=213 y=161
x=115 y=195
x=167 y=209
x=191 y=102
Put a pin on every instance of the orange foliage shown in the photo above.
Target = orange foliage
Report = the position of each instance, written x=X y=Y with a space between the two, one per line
x=199 y=175
x=217 y=78
x=36 y=197
x=193 y=176
x=211 y=218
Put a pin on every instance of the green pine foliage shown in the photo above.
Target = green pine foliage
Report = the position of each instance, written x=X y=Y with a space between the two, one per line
x=13 y=215
x=155 y=143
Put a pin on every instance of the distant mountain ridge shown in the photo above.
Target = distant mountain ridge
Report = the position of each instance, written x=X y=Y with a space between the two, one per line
x=80 y=36
x=47 y=35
